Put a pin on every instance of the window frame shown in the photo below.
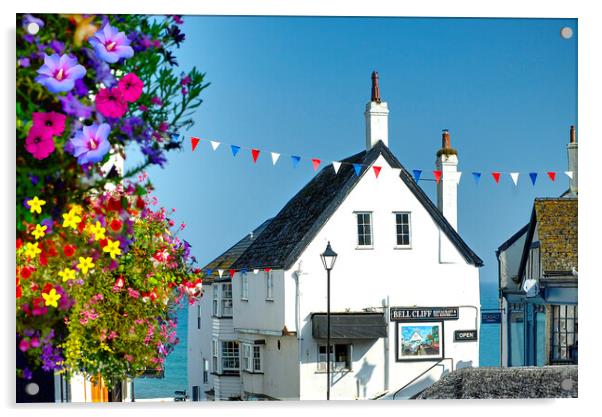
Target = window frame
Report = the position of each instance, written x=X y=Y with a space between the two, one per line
x=205 y=371
x=256 y=359
x=226 y=288
x=358 y=245
x=409 y=234
x=216 y=291
x=198 y=318
x=556 y=332
x=244 y=287
x=321 y=360
x=230 y=354
x=215 y=355
x=246 y=357
x=269 y=286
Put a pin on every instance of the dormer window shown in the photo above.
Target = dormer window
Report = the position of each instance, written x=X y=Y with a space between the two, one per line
x=364 y=229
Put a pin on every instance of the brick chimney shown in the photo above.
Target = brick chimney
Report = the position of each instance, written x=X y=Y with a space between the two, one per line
x=377 y=117
x=447 y=188
x=573 y=164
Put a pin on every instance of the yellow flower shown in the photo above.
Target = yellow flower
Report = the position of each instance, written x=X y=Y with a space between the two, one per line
x=71 y=219
x=51 y=298
x=32 y=250
x=85 y=264
x=39 y=231
x=97 y=230
x=67 y=274
x=35 y=205
x=77 y=209
x=83 y=28
x=112 y=248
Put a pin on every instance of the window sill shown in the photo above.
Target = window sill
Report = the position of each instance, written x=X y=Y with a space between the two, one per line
x=226 y=373
x=221 y=317
x=402 y=247
x=364 y=247
x=271 y=300
x=334 y=370
x=244 y=371
x=244 y=299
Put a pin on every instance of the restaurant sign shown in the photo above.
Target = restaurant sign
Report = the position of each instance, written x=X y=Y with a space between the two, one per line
x=462 y=335
x=424 y=313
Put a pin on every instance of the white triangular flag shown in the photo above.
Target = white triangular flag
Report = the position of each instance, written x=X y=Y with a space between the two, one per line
x=256 y=271
x=220 y=272
x=214 y=144
x=458 y=175
x=275 y=157
x=569 y=174
x=514 y=176
x=336 y=165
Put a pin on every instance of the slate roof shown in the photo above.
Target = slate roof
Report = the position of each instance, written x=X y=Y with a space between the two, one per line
x=226 y=259
x=512 y=239
x=556 y=222
x=283 y=240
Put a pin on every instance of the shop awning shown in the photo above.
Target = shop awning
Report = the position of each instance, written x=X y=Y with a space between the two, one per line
x=358 y=325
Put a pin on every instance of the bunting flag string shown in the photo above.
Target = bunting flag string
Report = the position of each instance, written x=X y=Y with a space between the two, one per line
x=336 y=165
x=275 y=157
x=357 y=167
x=255 y=153
x=194 y=141
x=316 y=163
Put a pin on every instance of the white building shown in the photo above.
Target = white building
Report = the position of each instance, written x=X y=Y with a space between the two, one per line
x=402 y=268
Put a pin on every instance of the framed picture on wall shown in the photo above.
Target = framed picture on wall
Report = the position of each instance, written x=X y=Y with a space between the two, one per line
x=419 y=341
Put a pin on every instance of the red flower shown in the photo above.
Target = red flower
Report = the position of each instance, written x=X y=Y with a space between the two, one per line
x=102 y=243
x=53 y=122
x=19 y=291
x=47 y=288
x=120 y=282
x=114 y=204
x=19 y=243
x=43 y=259
x=26 y=272
x=131 y=87
x=115 y=225
x=140 y=203
x=111 y=103
x=69 y=250
x=39 y=142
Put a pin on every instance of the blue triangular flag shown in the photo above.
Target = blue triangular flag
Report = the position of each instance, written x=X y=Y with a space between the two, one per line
x=416 y=173
x=295 y=160
x=175 y=137
x=209 y=271
x=357 y=168
x=533 y=176
x=243 y=271
x=235 y=149
x=476 y=176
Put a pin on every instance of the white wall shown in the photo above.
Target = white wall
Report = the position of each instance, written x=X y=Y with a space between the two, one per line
x=199 y=342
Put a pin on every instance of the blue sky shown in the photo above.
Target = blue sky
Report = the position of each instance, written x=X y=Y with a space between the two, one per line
x=505 y=88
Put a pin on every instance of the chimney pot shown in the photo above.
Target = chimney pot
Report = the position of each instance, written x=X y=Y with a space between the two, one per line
x=445 y=141
x=573 y=136
x=375 y=90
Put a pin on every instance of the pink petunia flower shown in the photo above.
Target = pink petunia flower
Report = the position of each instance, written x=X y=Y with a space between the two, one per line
x=156 y=101
x=39 y=142
x=52 y=121
x=111 y=103
x=131 y=87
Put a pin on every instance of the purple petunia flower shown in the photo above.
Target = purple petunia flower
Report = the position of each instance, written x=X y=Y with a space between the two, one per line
x=111 y=45
x=24 y=62
x=27 y=374
x=155 y=155
x=48 y=223
x=57 y=46
x=28 y=19
x=73 y=107
x=91 y=144
x=81 y=89
x=58 y=74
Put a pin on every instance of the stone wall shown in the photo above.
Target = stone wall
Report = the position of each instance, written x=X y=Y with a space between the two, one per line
x=517 y=382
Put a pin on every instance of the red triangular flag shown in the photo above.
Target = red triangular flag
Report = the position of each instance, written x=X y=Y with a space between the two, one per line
x=496 y=177
x=195 y=142
x=316 y=163
x=255 y=153
x=267 y=269
x=552 y=175
x=437 y=175
x=376 y=170
x=232 y=271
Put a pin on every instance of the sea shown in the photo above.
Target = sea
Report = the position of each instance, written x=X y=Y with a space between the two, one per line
x=175 y=377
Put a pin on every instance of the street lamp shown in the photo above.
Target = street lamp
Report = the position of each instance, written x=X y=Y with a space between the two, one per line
x=329 y=257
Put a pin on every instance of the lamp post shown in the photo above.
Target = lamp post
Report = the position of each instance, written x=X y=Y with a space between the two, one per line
x=329 y=257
